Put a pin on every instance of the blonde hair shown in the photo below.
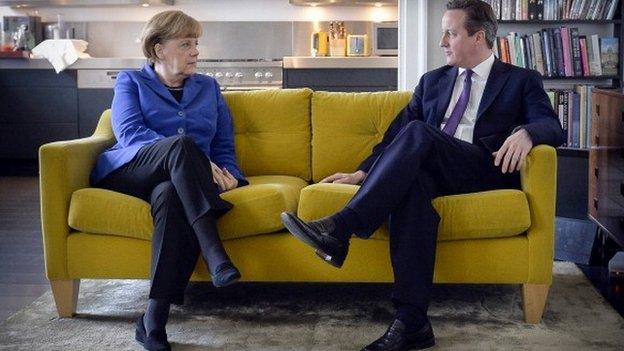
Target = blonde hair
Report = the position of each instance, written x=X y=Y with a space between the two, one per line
x=167 y=25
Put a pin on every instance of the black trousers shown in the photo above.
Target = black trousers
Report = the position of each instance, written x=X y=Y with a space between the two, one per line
x=420 y=164
x=175 y=177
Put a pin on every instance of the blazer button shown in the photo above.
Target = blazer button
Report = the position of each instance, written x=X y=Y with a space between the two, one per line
x=180 y=130
x=181 y=113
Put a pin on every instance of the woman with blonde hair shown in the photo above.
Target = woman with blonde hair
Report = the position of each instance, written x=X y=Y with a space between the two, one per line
x=174 y=149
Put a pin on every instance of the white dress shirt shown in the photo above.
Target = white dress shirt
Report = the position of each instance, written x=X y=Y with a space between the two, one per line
x=480 y=74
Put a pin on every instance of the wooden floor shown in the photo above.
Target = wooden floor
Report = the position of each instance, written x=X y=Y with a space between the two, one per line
x=22 y=276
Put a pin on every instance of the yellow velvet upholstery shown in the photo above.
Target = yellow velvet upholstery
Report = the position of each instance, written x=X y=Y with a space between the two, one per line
x=346 y=126
x=482 y=215
x=272 y=131
x=256 y=209
x=503 y=236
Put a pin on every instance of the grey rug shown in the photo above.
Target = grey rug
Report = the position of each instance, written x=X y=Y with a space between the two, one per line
x=320 y=317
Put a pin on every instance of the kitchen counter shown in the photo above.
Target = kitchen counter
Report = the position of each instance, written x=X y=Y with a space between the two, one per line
x=86 y=63
x=296 y=62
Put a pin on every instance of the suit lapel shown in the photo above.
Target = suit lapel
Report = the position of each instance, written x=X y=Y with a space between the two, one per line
x=496 y=81
x=445 y=88
x=155 y=84
x=191 y=89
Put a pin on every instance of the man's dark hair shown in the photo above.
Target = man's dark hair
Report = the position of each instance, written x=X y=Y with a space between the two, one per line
x=479 y=16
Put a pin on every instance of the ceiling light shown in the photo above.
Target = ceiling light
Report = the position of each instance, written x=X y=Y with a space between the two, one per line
x=378 y=4
x=145 y=4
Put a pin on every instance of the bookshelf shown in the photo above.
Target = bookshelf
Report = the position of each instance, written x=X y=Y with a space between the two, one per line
x=603 y=28
x=573 y=163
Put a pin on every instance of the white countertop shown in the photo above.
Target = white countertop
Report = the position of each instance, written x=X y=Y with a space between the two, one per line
x=340 y=62
x=116 y=63
x=86 y=63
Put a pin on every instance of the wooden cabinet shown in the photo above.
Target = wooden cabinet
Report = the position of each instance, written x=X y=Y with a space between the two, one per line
x=606 y=163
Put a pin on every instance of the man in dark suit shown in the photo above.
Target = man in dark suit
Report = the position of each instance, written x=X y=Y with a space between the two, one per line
x=468 y=127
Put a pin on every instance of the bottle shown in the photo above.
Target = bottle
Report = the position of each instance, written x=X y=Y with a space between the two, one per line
x=59 y=31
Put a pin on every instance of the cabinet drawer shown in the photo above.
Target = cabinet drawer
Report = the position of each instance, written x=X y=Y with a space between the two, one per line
x=23 y=141
x=37 y=78
x=23 y=105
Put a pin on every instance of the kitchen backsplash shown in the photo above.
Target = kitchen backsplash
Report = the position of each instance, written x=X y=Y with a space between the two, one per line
x=220 y=40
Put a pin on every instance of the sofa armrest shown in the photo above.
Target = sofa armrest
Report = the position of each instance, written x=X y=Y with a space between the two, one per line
x=539 y=183
x=64 y=167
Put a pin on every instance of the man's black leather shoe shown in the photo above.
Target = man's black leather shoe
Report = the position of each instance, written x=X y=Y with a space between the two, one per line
x=155 y=341
x=397 y=338
x=318 y=235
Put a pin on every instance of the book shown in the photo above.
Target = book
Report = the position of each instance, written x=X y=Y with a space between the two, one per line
x=593 y=50
x=539 y=56
x=581 y=90
x=584 y=56
x=566 y=50
x=512 y=48
x=546 y=48
x=609 y=51
x=575 y=115
x=532 y=10
x=540 y=10
x=559 y=64
x=613 y=5
x=576 y=52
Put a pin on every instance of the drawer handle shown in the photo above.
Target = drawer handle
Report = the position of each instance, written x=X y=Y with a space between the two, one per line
x=597 y=110
x=596 y=172
x=595 y=203
x=597 y=140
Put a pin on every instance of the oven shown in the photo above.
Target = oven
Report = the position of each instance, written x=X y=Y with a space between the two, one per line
x=243 y=74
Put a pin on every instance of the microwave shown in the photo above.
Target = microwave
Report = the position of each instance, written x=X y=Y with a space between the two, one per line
x=385 y=39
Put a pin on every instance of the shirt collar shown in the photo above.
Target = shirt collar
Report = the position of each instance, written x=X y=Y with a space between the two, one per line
x=482 y=70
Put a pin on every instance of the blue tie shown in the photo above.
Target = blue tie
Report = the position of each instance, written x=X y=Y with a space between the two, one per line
x=460 y=107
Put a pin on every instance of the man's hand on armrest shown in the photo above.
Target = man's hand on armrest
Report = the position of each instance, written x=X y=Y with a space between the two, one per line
x=512 y=155
x=345 y=178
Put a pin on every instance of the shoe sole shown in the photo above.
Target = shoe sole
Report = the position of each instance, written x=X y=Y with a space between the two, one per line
x=421 y=345
x=296 y=228
x=228 y=283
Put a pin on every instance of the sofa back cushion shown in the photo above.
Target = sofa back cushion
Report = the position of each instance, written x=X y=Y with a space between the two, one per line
x=272 y=131
x=346 y=126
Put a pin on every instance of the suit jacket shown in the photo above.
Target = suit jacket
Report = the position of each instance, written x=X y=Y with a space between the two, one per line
x=144 y=111
x=513 y=97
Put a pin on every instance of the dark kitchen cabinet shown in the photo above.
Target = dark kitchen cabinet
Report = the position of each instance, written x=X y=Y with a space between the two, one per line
x=91 y=104
x=342 y=79
x=38 y=106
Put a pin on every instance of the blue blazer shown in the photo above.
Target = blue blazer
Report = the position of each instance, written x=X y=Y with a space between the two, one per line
x=513 y=97
x=144 y=111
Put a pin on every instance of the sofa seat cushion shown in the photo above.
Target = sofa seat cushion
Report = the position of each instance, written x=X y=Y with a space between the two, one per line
x=256 y=209
x=481 y=215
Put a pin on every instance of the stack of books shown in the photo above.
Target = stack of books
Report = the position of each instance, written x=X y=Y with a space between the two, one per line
x=553 y=10
x=574 y=109
x=561 y=52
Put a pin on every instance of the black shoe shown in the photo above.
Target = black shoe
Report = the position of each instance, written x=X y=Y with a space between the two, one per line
x=155 y=341
x=397 y=338
x=318 y=235
x=226 y=274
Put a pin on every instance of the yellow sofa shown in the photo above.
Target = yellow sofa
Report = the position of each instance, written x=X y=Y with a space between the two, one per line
x=285 y=140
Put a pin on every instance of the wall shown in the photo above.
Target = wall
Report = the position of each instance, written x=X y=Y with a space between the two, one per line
x=221 y=40
x=232 y=29
x=219 y=10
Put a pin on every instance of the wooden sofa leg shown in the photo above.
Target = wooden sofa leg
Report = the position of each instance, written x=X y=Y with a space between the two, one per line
x=533 y=301
x=65 y=296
